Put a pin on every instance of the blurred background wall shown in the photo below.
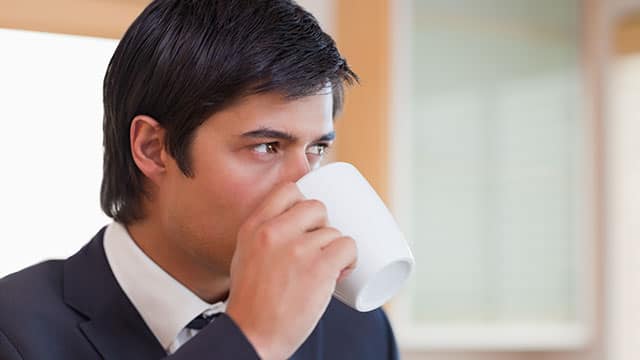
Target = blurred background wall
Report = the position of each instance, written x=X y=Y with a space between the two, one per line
x=504 y=135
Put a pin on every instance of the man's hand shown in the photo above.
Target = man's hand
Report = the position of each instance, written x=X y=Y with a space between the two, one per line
x=284 y=271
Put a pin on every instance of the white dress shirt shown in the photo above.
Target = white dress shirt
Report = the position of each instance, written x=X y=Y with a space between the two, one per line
x=165 y=305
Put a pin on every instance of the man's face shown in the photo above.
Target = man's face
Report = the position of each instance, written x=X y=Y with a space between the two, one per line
x=238 y=156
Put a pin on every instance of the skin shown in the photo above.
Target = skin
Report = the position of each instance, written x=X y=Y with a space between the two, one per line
x=239 y=228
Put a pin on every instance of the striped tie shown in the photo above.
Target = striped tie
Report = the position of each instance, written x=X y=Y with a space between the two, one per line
x=201 y=321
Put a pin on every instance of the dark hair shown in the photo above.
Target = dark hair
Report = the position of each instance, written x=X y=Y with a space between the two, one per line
x=183 y=60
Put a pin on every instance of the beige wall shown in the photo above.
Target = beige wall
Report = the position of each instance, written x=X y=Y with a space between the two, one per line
x=362 y=34
x=627 y=35
x=101 y=18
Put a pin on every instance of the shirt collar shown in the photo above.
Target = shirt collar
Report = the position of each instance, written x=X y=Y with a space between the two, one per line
x=165 y=304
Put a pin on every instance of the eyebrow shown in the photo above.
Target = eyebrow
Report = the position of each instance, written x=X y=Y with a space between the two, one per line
x=268 y=133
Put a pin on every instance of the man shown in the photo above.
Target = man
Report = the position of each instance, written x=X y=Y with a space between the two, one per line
x=213 y=109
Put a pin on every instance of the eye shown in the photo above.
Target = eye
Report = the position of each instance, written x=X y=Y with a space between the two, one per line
x=317 y=149
x=266 y=148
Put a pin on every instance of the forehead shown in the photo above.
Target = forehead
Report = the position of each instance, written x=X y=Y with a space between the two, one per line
x=305 y=117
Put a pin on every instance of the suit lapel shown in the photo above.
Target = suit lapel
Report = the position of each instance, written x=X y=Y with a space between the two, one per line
x=113 y=325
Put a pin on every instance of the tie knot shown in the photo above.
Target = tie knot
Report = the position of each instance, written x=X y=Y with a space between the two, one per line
x=201 y=321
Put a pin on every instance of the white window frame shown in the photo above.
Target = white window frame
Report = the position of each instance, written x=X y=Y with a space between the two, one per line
x=623 y=205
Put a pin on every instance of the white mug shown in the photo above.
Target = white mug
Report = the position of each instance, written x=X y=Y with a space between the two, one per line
x=384 y=258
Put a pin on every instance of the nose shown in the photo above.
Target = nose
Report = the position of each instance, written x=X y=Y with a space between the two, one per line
x=296 y=167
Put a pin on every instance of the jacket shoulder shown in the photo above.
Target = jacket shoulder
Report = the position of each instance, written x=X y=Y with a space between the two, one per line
x=364 y=335
x=31 y=287
x=341 y=315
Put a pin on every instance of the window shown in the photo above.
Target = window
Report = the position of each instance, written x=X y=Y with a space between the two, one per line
x=493 y=173
x=50 y=144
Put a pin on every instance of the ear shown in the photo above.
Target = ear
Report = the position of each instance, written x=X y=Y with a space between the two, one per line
x=147 y=147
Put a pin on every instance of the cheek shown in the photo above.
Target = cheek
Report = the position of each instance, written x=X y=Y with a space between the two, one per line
x=245 y=190
x=226 y=189
x=229 y=194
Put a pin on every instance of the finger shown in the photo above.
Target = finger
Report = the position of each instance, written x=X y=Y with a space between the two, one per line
x=277 y=202
x=345 y=272
x=340 y=254
x=317 y=240
x=305 y=216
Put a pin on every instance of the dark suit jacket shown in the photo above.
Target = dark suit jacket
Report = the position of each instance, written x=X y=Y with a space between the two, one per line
x=75 y=309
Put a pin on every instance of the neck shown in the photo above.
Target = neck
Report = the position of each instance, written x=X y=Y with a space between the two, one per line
x=210 y=285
